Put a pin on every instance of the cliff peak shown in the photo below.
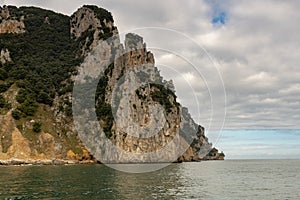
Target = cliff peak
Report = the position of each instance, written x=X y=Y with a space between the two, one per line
x=89 y=25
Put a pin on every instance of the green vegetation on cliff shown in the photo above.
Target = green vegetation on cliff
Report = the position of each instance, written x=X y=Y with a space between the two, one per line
x=43 y=58
x=103 y=109
x=36 y=84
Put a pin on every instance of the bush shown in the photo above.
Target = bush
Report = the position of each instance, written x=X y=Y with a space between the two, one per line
x=3 y=74
x=44 y=98
x=161 y=95
x=4 y=87
x=16 y=114
x=28 y=108
x=68 y=110
x=3 y=103
x=22 y=95
x=37 y=127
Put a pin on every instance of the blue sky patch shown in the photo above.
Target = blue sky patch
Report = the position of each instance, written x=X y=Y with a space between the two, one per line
x=259 y=144
x=220 y=18
x=219 y=14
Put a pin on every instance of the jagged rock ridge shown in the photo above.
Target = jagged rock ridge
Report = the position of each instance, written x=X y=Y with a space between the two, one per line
x=57 y=137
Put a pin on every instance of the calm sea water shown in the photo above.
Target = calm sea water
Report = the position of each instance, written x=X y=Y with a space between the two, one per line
x=230 y=179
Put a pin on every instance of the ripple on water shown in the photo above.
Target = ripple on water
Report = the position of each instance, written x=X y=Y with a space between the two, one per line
x=253 y=179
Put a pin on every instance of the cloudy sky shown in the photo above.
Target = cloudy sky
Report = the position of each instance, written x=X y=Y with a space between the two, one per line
x=235 y=57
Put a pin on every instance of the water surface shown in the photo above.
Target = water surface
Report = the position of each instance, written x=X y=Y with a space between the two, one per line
x=230 y=179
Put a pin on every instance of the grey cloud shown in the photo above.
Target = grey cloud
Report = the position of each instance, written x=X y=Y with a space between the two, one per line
x=257 y=53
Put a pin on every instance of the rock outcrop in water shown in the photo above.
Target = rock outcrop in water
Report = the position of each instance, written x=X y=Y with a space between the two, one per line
x=45 y=52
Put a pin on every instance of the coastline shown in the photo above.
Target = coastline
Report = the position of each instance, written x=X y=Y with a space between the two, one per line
x=18 y=162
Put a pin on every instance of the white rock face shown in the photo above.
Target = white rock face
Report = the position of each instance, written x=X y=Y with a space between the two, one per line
x=12 y=26
x=5 y=56
x=84 y=21
x=148 y=124
x=9 y=25
x=4 y=12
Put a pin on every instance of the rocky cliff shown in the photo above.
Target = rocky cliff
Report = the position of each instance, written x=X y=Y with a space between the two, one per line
x=10 y=24
x=43 y=54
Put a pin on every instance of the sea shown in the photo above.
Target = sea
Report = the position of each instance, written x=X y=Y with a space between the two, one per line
x=229 y=179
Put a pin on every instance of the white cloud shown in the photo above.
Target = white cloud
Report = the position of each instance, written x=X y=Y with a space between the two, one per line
x=258 y=49
x=291 y=89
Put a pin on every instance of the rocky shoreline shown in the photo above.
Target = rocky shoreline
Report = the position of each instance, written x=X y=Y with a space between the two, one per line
x=19 y=162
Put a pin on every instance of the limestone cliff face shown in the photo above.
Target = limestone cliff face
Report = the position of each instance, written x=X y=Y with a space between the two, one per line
x=133 y=91
x=146 y=118
x=135 y=107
